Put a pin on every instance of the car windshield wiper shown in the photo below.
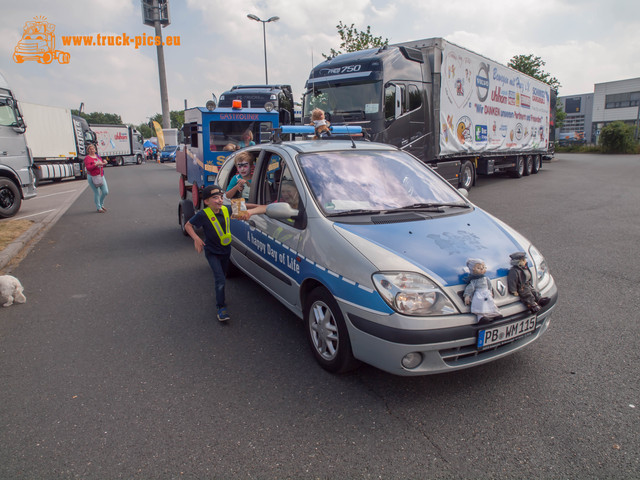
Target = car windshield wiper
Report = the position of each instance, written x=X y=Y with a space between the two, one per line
x=432 y=206
x=357 y=211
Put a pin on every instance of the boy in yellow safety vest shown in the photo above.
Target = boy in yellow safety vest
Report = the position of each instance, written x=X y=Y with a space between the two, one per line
x=215 y=221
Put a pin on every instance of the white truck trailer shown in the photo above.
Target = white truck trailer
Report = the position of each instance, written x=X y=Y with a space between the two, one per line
x=119 y=144
x=57 y=141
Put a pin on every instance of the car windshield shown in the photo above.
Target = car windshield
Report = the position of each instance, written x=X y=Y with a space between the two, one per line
x=169 y=149
x=374 y=181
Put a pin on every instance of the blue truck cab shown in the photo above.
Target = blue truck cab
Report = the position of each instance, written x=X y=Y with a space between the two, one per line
x=211 y=134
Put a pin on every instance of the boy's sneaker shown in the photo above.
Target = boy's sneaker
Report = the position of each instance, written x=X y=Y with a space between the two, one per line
x=223 y=315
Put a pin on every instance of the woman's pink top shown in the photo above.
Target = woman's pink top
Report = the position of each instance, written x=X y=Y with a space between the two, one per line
x=90 y=165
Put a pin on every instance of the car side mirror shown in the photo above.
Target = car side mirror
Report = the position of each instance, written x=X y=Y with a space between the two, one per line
x=281 y=210
x=464 y=192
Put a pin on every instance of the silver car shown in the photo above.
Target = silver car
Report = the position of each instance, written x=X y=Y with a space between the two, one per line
x=369 y=246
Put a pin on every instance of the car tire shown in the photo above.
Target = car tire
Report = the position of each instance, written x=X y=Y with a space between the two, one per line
x=10 y=199
x=327 y=332
x=185 y=212
x=519 y=168
x=467 y=176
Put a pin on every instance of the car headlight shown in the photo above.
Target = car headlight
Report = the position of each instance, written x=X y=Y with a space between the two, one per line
x=412 y=294
x=542 y=269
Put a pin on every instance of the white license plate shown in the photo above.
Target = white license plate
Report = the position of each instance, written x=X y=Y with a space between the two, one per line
x=505 y=333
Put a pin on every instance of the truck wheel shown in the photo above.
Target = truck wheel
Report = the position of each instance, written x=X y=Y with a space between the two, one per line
x=528 y=165
x=63 y=57
x=18 y=58
x=47 y=58
x=195 y=196
x=139 y=159
x=467 y=176
x=327 y=332
x=10 y=199
x=182 y=187
x=119 y=161
x=185 y=212
x=519 y=168
x=537 y=163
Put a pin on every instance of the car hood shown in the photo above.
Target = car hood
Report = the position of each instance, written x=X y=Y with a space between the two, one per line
x=439 y=246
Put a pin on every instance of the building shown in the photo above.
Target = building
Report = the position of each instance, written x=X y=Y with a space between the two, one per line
x=616 y=101
x=577 y=127
x=588 y=113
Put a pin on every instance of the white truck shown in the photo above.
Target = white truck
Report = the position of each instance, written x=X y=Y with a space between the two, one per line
x=456 y=110
x=57 y=141
x=17 y=179
x=119 y=144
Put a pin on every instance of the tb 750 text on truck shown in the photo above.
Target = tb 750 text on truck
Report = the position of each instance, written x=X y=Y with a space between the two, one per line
x=456 y=110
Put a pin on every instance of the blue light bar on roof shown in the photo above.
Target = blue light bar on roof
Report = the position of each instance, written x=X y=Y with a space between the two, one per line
x=309 y=130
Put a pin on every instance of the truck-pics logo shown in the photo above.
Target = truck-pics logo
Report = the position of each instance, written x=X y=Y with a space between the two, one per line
x=38 y=43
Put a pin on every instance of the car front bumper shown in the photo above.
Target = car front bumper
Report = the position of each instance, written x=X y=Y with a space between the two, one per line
x=441 y=349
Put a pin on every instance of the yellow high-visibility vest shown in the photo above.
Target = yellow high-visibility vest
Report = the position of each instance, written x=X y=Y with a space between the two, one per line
x=224 y=236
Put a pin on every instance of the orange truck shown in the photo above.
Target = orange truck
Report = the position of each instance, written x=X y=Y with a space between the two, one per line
x=38 y=43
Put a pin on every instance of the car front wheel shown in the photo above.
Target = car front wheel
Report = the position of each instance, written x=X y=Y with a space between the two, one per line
x=327 y=333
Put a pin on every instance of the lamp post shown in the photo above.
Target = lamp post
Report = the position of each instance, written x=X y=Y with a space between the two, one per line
x=264 y=37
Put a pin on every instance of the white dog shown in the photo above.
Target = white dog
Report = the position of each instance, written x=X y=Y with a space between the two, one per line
x=10 y=290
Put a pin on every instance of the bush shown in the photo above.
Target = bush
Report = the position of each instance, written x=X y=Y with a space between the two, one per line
x=617 y=137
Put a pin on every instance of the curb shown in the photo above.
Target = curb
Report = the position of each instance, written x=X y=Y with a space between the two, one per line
x=25 y=242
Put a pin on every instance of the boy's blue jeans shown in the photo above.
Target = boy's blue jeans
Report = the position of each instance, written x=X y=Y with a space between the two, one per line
x=219 y=265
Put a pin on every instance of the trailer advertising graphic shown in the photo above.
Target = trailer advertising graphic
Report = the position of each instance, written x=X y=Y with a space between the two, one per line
x=485 y=106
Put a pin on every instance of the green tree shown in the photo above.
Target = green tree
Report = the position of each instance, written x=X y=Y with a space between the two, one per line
x=145 y=130
x=617 y=137
x=560 y=115
x=532 y=66
x=176 y=118
x=99 y=118
x=354 y=40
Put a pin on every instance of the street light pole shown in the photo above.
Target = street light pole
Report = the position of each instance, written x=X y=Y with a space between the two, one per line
x=264 y=39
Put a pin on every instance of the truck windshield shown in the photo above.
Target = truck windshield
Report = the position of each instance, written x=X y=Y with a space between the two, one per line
x=7 y=115
x=223 y=134
x=345 y=102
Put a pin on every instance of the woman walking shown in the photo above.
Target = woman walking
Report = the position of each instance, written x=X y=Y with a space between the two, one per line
x=95 y=175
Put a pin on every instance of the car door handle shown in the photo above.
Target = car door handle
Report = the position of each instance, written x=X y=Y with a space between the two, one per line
x=252 y=223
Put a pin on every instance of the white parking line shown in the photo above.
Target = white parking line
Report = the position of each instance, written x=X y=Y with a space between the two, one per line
x=35 y=214
x=52 y=194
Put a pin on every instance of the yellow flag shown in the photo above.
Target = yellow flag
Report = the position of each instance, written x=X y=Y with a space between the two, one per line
x=159 y=135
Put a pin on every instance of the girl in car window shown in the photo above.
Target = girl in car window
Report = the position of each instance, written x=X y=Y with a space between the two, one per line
x=240 y=184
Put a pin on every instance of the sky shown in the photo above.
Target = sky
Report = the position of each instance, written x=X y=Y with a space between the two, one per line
x=582 y=42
